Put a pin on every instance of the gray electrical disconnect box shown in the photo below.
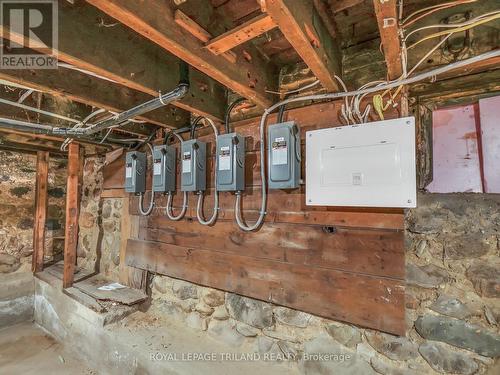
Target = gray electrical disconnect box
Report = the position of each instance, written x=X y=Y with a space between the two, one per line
x=231 y=162
x=193 y=165
x=283 y=157
x=135 y=172
x=163 y=168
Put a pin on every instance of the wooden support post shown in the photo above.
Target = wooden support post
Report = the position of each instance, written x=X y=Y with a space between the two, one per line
x=71 y=230
x=387 y=18
x=42 y=172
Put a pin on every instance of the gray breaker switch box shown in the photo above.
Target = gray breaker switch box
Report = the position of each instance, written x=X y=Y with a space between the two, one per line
x=193 y=165
x=230 y=162
x=164 y=170
x=135 y=172
x=283 y=155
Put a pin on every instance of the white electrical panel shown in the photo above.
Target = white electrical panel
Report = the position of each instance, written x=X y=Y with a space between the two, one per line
x=367 y=165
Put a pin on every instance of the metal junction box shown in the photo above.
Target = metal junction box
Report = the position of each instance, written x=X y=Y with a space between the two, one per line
x=135 y=172
x=369 y=165
x=164 y=169
x=231 y=162
x=193 y=165
x=283 y=155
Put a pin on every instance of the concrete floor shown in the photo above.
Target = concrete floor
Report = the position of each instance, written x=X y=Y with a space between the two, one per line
x=27 y=349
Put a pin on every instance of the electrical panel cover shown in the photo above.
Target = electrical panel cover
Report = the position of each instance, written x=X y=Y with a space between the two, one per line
x=283 y=155
x=135 y=172
x=368 y=165
x=230 y=162
x=164 y=170
x=193 y=165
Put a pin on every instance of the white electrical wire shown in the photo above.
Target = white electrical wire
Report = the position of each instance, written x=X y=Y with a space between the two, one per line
x=199 y=206
x=67 y=141
x=168 y=209
x=451 y=26
x=305 y=87
x=34 y=109
x=141 y=196
x=337 y=95
x=23 y=97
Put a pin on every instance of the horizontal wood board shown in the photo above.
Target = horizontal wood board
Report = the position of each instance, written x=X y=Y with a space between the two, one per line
x=341 y=263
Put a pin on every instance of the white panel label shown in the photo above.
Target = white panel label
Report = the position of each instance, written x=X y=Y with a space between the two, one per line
x=186 y=162
x=128 y=172
x=279 y=151
x=224 y=159
x=157 y=168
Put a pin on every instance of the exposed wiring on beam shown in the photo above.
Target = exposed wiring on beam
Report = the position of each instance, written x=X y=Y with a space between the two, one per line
x=430 y=10
x=305 y=87
x=87 y=72
x=41 y=111
x=25 y=95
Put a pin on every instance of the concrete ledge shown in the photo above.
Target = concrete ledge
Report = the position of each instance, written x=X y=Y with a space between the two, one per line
x=16 y=298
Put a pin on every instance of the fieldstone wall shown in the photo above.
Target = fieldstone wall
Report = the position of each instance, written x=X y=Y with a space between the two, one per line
x=453 y=304
x=99 y=223
x=17 y=197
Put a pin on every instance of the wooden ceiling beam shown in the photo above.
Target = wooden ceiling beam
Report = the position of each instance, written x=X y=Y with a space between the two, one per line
x=387 y=19
x=184 y=21
x=303 y=27
x=85 y=89
x=241 y=34
x=340 y=5
x=121 y=55
x=156 y=22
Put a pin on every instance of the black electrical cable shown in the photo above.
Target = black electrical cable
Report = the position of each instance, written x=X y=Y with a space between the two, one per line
x=168 y=134
x=281 y=111
x=147 y=140
x=228 y=112
x=194 y=125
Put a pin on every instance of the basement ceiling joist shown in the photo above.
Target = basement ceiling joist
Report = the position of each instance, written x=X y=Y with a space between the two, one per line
x=95 y=92
x=119 y=54
x=302 y=26
x=157 y=23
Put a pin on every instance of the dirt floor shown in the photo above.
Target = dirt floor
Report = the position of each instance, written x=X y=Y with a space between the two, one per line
x=27 y=349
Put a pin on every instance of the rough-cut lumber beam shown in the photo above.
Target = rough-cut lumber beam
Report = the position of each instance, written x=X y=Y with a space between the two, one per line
x=302 y=26
x=42 y=169
x=85 y=89
x=340 y=5
x=241 y=34
x=14 y=138
x=387 y=19
x=184 y=21
x=156 y=22
x=71 y=228
x=121 y=55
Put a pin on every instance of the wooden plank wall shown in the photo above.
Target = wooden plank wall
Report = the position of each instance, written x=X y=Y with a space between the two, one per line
x=340 y=263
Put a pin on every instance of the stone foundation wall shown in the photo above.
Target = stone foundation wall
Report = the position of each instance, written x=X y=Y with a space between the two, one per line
x=100 y=223
x=453 y=304
x=17 y=197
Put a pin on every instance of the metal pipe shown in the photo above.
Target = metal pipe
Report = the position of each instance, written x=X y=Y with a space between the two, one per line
x=141 y=109
x=28 y=127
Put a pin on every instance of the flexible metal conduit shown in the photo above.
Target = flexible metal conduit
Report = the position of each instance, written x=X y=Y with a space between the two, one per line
x=199 y=206
x=337 y=95
x=169 y=212
x=117 y=120
x=141 y=196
